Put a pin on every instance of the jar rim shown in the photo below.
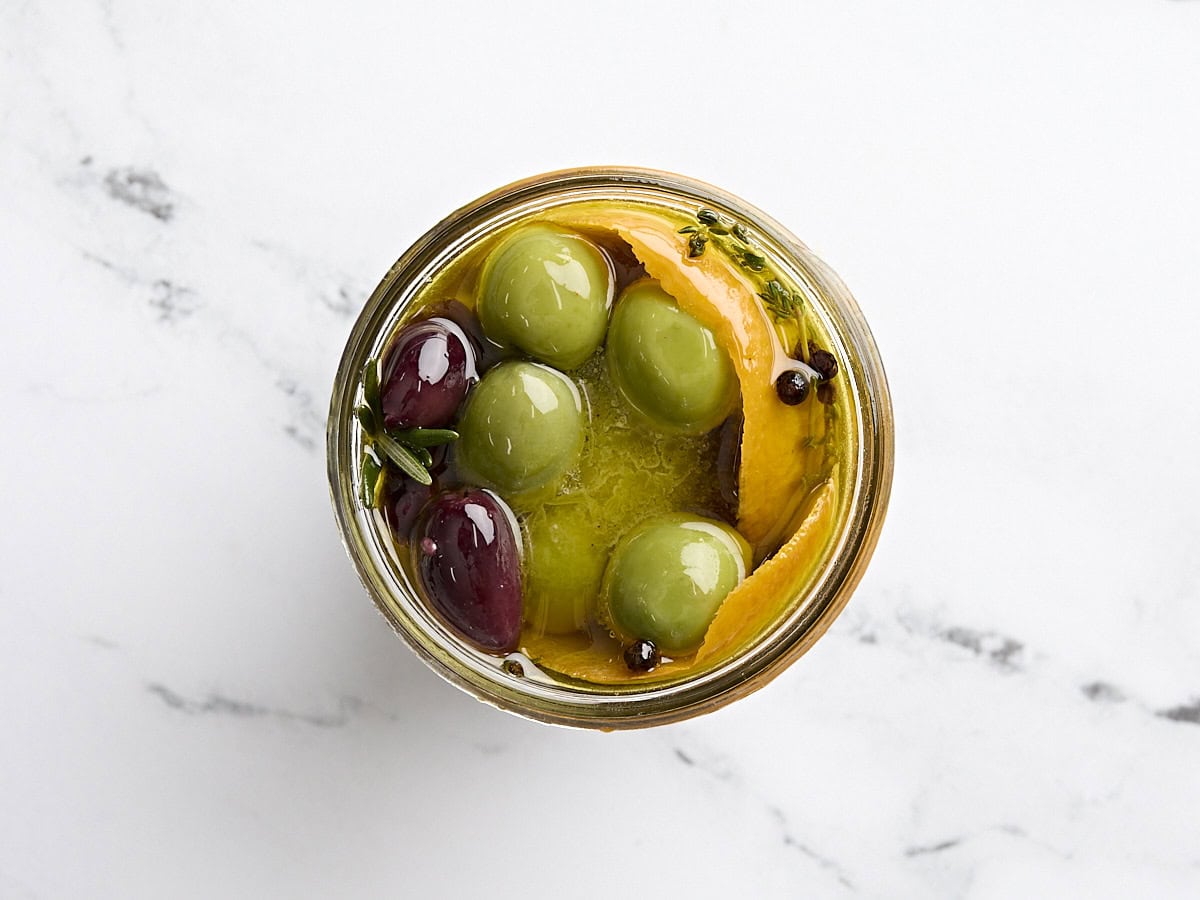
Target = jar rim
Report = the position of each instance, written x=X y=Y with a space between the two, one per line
x=632 y=707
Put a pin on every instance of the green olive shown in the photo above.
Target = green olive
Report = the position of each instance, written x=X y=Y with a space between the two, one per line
x=667 y=577
x=521 y=431
x=667 y=365
x=547 y=292
x=565 y=557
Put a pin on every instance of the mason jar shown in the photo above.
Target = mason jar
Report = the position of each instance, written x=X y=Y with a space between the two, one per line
x=513 y=682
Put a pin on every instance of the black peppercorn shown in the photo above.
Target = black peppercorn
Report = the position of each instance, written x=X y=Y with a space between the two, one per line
x=792 y=387
x=642 y=655
x=823 y=361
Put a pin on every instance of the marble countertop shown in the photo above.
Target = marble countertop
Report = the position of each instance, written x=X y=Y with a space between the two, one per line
x=200 y=701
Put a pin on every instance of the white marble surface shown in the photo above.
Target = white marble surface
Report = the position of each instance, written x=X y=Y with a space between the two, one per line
x=197 y=698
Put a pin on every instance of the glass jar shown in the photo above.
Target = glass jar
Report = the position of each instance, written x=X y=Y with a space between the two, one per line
x=515 y=684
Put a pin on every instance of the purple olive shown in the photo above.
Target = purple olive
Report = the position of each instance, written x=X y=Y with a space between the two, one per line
x=405 y=500
x=487 y=353
x=426 y=374
x=468 y=561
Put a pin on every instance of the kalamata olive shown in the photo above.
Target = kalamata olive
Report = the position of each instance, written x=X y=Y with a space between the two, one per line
x=547 y=292
x=666 y=364
x=426 y=374
x=668 y=576
x=404 y=501
x=487 y=352
x=404 y=498
x=522 y=430
x=468 y=560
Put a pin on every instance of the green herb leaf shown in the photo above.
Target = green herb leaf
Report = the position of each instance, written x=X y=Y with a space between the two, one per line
x=424 y=457
x=370 y=380
x=688 y=229
x=696 y=245
x=782 y=303
x=404 y=459
x=424 y=437
x=366 y=418
x=753 y=261
x=718 y=229
x=708 y=217
x=739 y=232
x=371 y=475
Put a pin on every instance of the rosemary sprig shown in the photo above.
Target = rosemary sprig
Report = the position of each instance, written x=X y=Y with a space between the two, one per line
x=425 y=437
x=404 y=458
x=404 y=448
x=366 y=418
x=370 y=380
x=371 y=476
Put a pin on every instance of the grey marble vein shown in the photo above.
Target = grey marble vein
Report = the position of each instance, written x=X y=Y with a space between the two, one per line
x=926 y=849
x=713 y=766
x=173 y=302
x=337 y=291
x=1185 y=712
x=170 y=301
x=1102 y=692
x=217 y=704
x=1002 y=651
x=825 y=862
x=308 y=423
x=141 y=188
x=723 y=773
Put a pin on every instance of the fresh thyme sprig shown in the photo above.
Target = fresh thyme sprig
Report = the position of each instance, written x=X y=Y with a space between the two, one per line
x=405 y=448
x=783 y=303
x=734 y=239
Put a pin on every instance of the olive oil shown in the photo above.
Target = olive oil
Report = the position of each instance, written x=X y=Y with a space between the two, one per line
x=628 y=472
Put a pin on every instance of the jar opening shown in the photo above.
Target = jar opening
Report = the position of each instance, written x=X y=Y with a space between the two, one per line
x=516 y=682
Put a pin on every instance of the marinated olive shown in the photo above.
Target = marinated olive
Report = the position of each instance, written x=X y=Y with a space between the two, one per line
x=522 y=429
x=426 y=374
x=405 y=498
x=565 y=558
x=667 y=577
x=666 y=364
x=547 y=292
x=468 y=559
x=487 y=353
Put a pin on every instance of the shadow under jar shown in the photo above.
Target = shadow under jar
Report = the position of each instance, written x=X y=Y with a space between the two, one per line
x=610 y=448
